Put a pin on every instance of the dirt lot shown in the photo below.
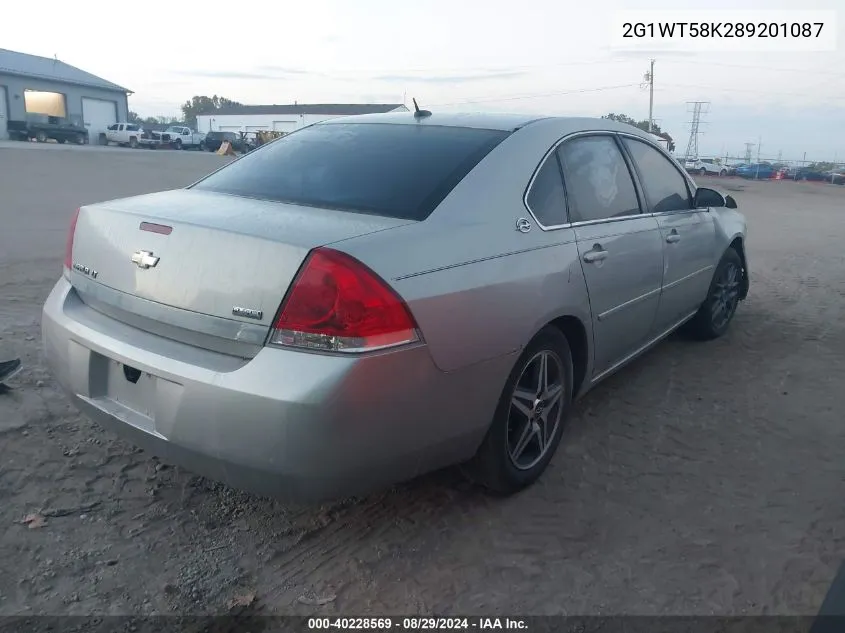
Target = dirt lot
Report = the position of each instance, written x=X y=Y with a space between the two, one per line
x=706 y=478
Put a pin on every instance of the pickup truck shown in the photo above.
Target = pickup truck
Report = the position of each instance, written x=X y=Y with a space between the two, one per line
x=705 y=166
x=54 y=128
x=134 y=135
x=184 y=137
x=124 y=134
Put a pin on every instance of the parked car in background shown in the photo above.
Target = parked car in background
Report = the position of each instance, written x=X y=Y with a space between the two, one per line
x=182 y=136
x=43 y=128
x=378 y=296
x=705 y=166
x=807 y=173
x=757 y=171
x=213 y=141
x=124 y=134
x=837 y=177
x=732 y=169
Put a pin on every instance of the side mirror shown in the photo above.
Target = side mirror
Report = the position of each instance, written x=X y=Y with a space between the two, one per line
x=705 y=197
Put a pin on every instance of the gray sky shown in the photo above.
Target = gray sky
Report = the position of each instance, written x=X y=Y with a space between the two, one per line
x=544 y=56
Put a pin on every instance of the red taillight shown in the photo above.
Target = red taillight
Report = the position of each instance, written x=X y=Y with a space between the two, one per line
x=69 y=243
x=336 y=303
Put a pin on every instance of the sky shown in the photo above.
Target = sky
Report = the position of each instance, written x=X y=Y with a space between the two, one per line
x=550 y=57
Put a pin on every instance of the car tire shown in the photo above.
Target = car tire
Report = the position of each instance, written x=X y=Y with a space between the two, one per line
x=714 y=316
x=60 y=141
x=498 y=465
x=723 y=173
x=133 y=142
x=177 y=144
x=702 y=172
x=41 y=136
x=80 y=139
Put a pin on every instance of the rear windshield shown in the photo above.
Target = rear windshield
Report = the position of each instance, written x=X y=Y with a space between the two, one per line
x=398 y=171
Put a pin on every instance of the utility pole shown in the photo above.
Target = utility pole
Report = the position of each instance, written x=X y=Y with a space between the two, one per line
x=650 y=77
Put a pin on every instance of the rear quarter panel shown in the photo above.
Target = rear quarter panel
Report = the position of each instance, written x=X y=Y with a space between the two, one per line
x=478 y=288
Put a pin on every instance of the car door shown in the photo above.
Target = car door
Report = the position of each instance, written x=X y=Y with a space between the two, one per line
x=111 y=133
x=688 y=233
x=620 y=248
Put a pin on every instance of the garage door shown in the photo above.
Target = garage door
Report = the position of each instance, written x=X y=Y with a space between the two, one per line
x=98 y=115
x=3 y=116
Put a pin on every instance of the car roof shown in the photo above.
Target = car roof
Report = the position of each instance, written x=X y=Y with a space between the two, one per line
x=492 y=121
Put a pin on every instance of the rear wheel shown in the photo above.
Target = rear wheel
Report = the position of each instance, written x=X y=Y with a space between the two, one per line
x=529 y=419
x=61 y=141
x=716 y=313
x=723 y=173
x=133 y=142
x=702 y=171
x=41 y=136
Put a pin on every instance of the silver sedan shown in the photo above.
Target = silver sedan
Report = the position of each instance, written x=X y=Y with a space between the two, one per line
x=371 y=298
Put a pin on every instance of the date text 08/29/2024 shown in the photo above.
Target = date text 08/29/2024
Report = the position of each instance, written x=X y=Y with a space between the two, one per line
x=416 y=624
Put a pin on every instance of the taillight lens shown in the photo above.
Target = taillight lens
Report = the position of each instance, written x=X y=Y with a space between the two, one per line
x=69 y=243
x=338 y=304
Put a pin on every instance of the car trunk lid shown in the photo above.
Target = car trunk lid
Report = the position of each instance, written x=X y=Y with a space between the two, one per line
x=205 y=268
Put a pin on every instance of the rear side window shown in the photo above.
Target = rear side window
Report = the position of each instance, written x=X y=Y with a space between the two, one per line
x=546 y=198
x=399 y=171
x=597 y=179
x=132 y=127
x=664 y=185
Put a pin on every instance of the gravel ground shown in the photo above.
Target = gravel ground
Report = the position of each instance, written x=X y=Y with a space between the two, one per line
x=703 y=479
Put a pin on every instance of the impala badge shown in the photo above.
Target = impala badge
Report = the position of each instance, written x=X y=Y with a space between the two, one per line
x=249 y=313
x=144 y=259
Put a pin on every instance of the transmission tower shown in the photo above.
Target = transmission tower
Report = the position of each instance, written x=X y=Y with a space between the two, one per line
x=697 y=108
x=749 y=147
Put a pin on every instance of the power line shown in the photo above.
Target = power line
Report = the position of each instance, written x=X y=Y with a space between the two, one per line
x=726 y=89
x=533 y=96
x=803 y=71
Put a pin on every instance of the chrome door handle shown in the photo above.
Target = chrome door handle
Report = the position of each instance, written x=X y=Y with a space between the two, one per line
x=673 y=237
x=595 y=256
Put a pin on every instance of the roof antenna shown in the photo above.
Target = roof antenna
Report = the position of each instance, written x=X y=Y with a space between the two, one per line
x=420 y=114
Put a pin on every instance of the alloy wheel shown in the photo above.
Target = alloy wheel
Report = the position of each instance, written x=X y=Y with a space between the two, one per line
x=725 y=296
x=535 y=409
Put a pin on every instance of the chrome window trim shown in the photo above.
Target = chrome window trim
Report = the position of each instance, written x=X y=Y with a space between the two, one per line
x=684 y=174
x=551 y=151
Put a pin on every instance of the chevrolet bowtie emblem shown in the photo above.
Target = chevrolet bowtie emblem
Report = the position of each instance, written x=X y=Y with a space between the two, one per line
x=144 y=259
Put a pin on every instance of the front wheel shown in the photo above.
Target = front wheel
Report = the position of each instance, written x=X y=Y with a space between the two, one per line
x=529 y=418
x=723 y=173
x=716 y=313
x=702 y=172
x=41 y=137
x=133 y=142
x=177 y=144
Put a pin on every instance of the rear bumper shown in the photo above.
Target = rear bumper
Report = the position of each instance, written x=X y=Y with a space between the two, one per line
x=291 y=425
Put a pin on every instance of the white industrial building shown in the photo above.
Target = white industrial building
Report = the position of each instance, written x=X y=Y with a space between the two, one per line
x=285 y=118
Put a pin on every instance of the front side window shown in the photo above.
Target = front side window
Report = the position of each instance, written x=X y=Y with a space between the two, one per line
x=665 y=187
x=546 y=198
x=392 y=170
x=598 y=182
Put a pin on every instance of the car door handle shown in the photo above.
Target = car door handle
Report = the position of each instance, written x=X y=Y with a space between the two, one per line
x=595 y=256
x=673 y=237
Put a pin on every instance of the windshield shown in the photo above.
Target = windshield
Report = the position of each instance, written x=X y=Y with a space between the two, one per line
x=400 y=171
